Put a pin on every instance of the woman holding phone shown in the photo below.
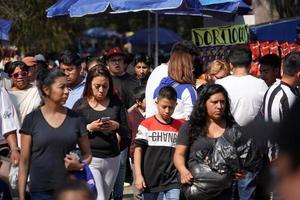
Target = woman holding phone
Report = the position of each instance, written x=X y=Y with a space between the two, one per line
x=106 y=121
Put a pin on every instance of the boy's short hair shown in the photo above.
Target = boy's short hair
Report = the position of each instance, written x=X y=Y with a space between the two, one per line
x=271 y=60
x=167 y=92
x=139 y=93
x=291 y=64
x=240 y=56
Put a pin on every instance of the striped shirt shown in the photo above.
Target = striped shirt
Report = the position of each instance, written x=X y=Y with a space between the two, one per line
x=277 y=102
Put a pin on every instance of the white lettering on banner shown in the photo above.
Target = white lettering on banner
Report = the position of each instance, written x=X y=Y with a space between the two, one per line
x=162 y=138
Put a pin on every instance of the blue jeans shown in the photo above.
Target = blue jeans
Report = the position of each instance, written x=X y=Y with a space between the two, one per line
x=119 y=184
x=42 y=195
x=247 y=186
x=172 y=194
x=4 y=191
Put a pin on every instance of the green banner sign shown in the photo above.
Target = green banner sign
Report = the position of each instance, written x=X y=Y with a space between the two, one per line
x=223 y=35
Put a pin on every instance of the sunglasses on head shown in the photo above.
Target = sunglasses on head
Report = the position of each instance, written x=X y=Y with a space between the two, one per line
x=19 y=74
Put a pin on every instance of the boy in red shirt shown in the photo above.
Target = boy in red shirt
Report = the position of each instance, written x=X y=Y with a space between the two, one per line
x=156 y=175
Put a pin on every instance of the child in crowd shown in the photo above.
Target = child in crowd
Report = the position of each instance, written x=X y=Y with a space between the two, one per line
x=74 y=190
x=136 y=114
x=156 y=175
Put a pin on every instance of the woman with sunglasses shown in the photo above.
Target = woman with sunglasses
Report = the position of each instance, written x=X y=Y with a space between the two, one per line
x=24 y=95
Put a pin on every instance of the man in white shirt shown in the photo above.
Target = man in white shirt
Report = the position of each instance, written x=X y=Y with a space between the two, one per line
x=246 y=94
x=161 y=72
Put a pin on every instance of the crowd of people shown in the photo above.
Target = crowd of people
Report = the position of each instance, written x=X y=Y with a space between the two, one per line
x=72 y=129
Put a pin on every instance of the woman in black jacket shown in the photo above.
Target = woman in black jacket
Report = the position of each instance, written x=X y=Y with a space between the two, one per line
x=210 y=152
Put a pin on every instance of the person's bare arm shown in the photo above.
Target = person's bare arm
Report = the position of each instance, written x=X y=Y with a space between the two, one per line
x=139 y=181
x=84 y=145
x=72 y=163
x=179 y=162
x=11 y=138
x=26 y=141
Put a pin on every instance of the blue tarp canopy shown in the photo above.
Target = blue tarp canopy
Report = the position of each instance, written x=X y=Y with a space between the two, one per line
x=223 y=9
x=282 y=31
x=79 y=8
x=5 y=26
x=61 y=7
x=99 y=32
x=166 y=37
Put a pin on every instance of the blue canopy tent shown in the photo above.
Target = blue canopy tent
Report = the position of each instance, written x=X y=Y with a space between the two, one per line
x=5 y=27
x=79 y=8
x=166 y=37
x=99 y=32
x=61 y=7
x=282 y=31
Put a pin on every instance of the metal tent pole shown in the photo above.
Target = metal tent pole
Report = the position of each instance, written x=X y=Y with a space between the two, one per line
x=149 y=36
x=156 y=38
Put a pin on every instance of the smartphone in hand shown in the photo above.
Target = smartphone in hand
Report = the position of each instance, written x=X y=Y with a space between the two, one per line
x=105 y=119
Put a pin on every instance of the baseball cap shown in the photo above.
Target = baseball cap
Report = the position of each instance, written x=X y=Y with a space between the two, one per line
x=114 y=51
x=30 y=61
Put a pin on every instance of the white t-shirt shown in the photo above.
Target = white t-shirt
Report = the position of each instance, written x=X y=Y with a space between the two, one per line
x=246 y=95
x=25 y=101
x=186 y=97
x=9 y=118
x=155 y=77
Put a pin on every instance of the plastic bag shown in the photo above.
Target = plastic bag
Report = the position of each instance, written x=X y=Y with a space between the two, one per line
x=13 y=177
x=206 y=183
x=213 y=171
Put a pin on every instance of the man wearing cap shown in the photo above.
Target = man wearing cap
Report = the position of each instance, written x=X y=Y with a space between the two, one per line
x=70 y=64
x=124 y=83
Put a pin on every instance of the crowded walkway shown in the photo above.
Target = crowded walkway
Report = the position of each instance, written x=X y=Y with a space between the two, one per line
x=117 y=127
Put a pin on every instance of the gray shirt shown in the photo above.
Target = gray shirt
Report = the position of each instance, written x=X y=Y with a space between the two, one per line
x=49 y=147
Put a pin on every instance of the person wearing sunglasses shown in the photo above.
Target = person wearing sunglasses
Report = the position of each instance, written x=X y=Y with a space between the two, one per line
x=24 y=95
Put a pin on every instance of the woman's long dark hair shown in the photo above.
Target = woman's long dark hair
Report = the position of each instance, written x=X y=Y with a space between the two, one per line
x=199 y=117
